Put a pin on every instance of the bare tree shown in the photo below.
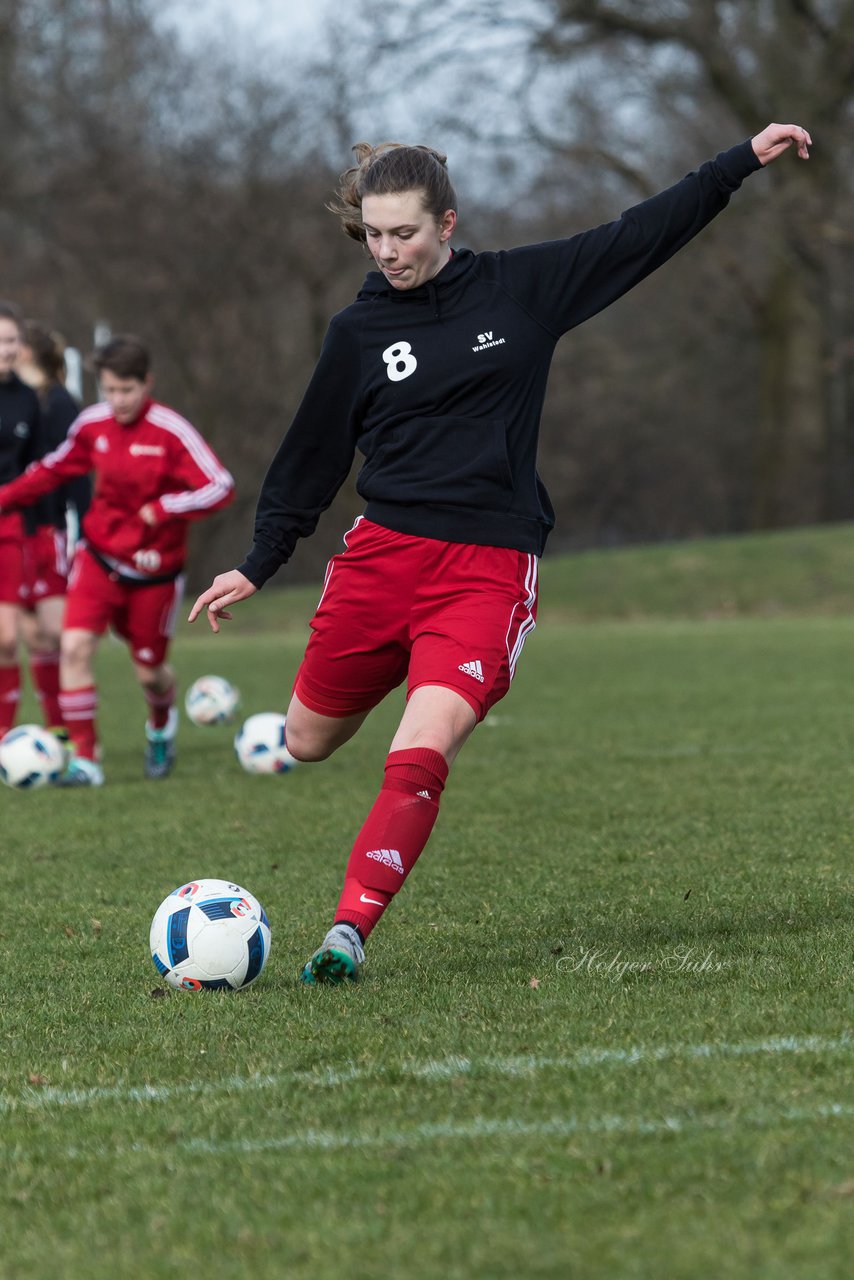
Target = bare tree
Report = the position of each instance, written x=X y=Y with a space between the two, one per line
x=724 y=61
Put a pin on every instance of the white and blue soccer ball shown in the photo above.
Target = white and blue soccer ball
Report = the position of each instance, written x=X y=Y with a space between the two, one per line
x=260 y=744
x=210 y=934
x=30 y=757
x=211 y=700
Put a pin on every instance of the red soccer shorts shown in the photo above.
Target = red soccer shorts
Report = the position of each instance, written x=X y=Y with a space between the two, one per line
x=11 y=565
x=142 y=615
x=45 y=571
x=397 y=607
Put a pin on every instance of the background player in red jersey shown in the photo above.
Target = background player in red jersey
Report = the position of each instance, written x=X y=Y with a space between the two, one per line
x=153 y=474
x=437 y=373
x=19 y=444
x=46 y=558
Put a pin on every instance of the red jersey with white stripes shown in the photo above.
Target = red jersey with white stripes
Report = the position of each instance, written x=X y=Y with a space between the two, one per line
x=159 y=459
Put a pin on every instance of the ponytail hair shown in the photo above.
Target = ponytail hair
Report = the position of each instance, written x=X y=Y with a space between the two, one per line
x=48 y=350
x=392 y=168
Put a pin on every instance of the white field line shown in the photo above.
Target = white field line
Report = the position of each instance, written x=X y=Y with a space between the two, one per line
x=520 y=1066
x=479 y=1128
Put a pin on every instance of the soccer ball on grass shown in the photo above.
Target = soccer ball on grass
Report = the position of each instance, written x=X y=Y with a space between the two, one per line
x=208 y=934
x=211 y=700
x=30 y=757
x=260 y=744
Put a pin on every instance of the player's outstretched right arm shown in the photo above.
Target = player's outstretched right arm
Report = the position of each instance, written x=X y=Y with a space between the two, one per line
x=225 y=590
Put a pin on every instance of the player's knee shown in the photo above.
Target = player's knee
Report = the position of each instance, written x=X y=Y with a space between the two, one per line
x=443 y=739
x=428 y=739
x=8 y=636
x=307 y=746
x=44 y=641
x=159 y=679
x=74 y=649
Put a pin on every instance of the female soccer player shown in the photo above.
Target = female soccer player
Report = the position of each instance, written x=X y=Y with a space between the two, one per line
x=153 y=475
x=41 y=364
x=437 y=375
x=19 y=445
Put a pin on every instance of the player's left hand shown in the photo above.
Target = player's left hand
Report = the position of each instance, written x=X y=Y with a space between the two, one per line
x=777 y=138
x=226 y=589
x=148 y=513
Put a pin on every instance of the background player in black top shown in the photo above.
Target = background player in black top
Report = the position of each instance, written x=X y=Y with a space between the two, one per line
x=51 y=524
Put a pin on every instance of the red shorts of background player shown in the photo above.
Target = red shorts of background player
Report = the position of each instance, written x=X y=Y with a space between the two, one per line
x=11 y=563
x=143 y=615
x=398 y=607
x=45 y=566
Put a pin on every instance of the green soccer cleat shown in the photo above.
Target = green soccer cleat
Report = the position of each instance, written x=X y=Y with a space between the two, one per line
x=80 y=772
x=339 y=959
x=160 y=747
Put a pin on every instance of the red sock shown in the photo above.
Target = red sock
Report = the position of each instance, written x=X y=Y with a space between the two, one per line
x=10 y=696
x=395 y=832
x=159 y=705
x=78 y=707
x=44 y=672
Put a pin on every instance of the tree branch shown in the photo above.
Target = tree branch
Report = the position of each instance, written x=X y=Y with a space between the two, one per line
x=805 y=10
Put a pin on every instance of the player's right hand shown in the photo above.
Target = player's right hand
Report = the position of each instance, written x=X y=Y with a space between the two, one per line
x=226 y=589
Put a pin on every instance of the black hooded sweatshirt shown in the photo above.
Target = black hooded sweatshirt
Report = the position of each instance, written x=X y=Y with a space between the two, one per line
x=441 y=387
x=20 y=427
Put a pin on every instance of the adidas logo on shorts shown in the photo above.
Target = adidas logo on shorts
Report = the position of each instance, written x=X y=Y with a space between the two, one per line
x=472 y=669
x=389 y=858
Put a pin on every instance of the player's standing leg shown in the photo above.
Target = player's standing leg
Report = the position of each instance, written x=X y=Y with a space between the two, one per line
x=43 y=591
x=158 y=687
x=92 y=600
x=11 y=576
x=10 y=675
x=41 y=629
x=435 y=725
x=147 y=625
x=471 y=612
x=78 y=701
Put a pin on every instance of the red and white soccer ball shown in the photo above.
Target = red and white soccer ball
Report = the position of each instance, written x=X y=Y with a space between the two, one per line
x=30 y=757
x=209 y=934
x=260 y=744
x=211 y=700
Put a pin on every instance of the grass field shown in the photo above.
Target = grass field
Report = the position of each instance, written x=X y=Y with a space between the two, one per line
x=606 y=1031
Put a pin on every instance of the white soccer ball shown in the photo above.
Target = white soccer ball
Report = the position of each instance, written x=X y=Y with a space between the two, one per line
x=30 y=757
x=260 y=744
x=209 y=933
x=211 y=700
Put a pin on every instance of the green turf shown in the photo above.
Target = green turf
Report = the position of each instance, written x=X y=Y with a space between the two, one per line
x=801 y=571
x=605 y=1031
